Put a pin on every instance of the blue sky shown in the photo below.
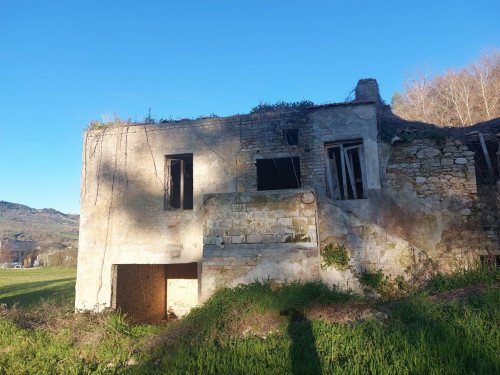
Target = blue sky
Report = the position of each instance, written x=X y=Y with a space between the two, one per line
x=63 y=63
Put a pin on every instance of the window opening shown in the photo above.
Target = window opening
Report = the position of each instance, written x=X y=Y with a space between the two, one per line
x=278 y=173
x=345 y=166
x=291 y=136
x=178 y=182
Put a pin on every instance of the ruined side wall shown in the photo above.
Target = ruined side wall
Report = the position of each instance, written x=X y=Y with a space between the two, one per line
x=426 y=217
x=123 y=220
x=259 y=236
x=430 y=199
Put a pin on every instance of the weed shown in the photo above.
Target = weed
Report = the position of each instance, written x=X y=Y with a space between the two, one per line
x=118 y=322
x=334 y=255
x=376 y=280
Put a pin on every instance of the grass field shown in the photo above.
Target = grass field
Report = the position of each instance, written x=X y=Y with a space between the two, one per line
x=28 y=286
x=451 y=327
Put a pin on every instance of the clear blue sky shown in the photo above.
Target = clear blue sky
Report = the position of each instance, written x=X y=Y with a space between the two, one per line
x=63 y=63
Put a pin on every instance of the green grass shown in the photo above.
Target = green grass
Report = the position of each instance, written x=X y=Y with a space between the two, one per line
x=260 y=329
x=27 y=286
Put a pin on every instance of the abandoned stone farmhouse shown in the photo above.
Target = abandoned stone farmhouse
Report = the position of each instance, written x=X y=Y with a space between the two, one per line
x=171 y=212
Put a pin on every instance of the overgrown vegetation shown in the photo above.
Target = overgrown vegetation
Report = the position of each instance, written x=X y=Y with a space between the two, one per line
x=266 y=107
x=264 y=328
x=373 y=279
x=487 y=274
x=334 y=255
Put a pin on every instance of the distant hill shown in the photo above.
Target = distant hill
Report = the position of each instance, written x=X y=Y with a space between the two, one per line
x=23 y=228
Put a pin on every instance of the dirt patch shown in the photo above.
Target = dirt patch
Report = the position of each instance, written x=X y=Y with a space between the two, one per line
x=349 y=311
x=258 y=324
x=459 y=294
x=178 y=329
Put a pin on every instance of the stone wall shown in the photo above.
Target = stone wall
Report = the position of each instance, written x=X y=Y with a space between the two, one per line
x=435 y=170
x=259 y=236
x=427 y=217
x=262 y=138
x=281 y=216
x=430 y=199
x=369 y=246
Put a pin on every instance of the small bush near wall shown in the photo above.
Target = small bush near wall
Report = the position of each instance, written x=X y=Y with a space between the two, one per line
x=334 y=255
x=375 y=280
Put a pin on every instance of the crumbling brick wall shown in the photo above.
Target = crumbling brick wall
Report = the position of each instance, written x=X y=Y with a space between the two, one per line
x=140 y=291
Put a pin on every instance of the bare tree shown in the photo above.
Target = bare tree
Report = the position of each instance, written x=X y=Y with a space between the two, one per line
x=454 y=98
x=6 y=256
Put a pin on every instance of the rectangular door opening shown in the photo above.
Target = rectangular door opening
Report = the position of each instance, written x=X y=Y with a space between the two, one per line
x=151 y=293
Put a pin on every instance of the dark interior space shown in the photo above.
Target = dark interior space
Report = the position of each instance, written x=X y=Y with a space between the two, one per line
x=291 y=136
x=140 y=290
x=345 y=169
x=278 y=173
x=179 y=180
x=182 y=271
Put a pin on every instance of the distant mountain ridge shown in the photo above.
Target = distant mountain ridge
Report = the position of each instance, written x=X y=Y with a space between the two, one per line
x=47 y=227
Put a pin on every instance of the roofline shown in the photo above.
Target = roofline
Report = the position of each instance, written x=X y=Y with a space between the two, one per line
x=338 y=104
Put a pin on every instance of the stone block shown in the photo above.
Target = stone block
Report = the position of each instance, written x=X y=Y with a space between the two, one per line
x=420 y=180
x=254 y=238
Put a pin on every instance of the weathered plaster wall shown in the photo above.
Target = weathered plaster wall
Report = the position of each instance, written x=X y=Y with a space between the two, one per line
x=122 y=216
x=259 y=236
x=369 y=246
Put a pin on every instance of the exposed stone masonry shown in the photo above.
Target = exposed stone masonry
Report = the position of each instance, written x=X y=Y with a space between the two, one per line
x=435 y=170
x=264 y=217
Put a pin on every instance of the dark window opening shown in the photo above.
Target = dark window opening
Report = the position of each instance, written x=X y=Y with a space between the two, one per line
x=345 y=170
x=291 y=136
x=178 y=182
x=278 y=173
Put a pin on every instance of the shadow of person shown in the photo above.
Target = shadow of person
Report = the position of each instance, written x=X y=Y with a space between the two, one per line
x=303 y=355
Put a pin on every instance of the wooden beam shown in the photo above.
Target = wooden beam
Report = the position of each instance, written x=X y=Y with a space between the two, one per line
x=168 y=183
x=351 y=173
x=181 y=206
x=342 y=163
x=486 y=155
x=329 y=176
x=362 y=167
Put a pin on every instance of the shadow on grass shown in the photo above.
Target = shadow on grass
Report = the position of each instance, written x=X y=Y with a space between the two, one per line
x=447 y=338
x=26 y=294
x=303 y=355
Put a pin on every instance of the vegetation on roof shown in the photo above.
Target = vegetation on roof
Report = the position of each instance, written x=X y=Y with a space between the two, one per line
x=267 y=107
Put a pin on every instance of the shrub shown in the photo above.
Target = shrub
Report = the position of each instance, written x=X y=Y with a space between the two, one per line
x=334 y=255
x=265 y=107
x=375 y=280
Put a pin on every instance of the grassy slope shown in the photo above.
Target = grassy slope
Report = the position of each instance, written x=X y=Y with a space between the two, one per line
x=257 y=330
